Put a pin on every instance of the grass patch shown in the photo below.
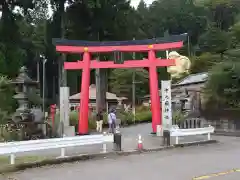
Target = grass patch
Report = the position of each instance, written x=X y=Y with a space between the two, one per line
x=5 y=161
x=22 y=159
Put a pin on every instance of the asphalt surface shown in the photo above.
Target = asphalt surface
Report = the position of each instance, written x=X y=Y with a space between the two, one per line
x=212 y=162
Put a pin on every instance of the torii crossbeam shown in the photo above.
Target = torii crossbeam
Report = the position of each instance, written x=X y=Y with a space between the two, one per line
x=150 y=46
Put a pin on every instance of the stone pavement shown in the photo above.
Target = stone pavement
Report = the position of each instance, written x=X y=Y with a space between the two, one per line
x=176 y=164
x=129 y=142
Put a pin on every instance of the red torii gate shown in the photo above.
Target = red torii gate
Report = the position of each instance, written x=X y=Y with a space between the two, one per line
x=86 y=47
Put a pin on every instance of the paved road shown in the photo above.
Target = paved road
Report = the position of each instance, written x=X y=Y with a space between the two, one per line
x=177 y=164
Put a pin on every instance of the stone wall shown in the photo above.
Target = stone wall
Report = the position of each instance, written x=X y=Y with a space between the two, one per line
x=225 y=125
x=223 y=119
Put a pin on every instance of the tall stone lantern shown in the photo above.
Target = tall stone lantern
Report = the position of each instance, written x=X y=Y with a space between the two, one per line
x=23 y=84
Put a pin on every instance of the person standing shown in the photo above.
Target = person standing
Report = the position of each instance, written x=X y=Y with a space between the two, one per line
x=99 y=121
x=112 y=121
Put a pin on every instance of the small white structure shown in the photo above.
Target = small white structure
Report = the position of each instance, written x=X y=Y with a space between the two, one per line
x=176 y=132
x=112 y=99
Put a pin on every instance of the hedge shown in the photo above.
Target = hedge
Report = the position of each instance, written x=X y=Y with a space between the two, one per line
x=143 y=115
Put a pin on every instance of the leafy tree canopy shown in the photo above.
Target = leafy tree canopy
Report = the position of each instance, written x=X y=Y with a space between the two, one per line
x=223 y=86
x=27 y=29
x=121 y=82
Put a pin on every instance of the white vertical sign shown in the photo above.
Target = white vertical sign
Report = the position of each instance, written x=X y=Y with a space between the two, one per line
x=166 y=104
x=64 y=105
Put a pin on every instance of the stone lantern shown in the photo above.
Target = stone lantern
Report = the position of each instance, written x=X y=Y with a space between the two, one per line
x=23 y=84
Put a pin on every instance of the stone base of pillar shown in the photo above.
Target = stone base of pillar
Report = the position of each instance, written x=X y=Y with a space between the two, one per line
x=69 y=131
x=159 y=130
x=44 y=129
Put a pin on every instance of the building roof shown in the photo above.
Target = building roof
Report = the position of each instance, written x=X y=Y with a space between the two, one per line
x=92 y=95
x=172 y=38
x=192 y=79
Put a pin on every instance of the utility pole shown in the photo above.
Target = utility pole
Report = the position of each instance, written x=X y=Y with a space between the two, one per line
x=38 y=59
x=43 y=90
x=188 y=41
x=62 y=76
x=134 y=90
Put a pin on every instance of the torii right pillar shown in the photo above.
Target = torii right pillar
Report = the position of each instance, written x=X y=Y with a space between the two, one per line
x=155 y=98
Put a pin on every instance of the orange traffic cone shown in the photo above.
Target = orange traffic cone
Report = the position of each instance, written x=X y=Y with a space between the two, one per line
x=140 y=143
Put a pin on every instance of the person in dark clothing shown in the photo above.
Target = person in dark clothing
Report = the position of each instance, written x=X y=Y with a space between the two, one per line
x=99 y=121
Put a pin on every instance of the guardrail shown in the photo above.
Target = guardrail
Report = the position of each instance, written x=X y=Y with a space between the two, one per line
x=12 y=148
x=176 y=132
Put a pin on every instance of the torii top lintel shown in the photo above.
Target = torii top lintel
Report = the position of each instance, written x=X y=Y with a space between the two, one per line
x=78 y=46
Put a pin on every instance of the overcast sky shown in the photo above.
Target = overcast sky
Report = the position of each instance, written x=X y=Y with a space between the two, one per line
x=136 y=2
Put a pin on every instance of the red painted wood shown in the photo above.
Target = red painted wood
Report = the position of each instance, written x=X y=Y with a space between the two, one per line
x=127 y=64
x=130 y=48
x=84 y=100
x=155 y=98
x=73 y=65
x=152 y=63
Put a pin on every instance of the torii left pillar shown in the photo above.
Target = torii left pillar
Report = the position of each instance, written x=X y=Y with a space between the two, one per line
x=83 y=117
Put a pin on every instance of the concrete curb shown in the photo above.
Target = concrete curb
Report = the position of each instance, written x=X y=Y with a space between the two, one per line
x=46 y=162
x=232 y=134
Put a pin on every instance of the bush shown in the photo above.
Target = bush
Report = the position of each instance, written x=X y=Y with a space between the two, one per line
x=142 y=108
x=73 y=118
x=144 y=116
x=126 y=118
x=178 y=117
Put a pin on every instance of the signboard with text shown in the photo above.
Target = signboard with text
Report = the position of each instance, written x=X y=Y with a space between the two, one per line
x=166 y=104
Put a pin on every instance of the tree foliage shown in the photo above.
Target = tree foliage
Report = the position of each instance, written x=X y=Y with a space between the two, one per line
x=6 y=94
x=204 y=62
x=27 y=29
x=223 y=86
x=121 y=82
x=214 y=41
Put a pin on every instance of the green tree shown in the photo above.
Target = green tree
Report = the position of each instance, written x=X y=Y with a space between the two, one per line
x=99 y=21
x=223 y=85
x=222 y=12
x=204 y=62
x=235 y=33
x=121 y=82
x=141 y=20
x=12 y=53
x=6 y=93
x=214 y=41
x=234 y=50
x=176 y=17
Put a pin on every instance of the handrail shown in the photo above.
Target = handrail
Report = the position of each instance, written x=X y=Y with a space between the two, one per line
x=12 y=148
